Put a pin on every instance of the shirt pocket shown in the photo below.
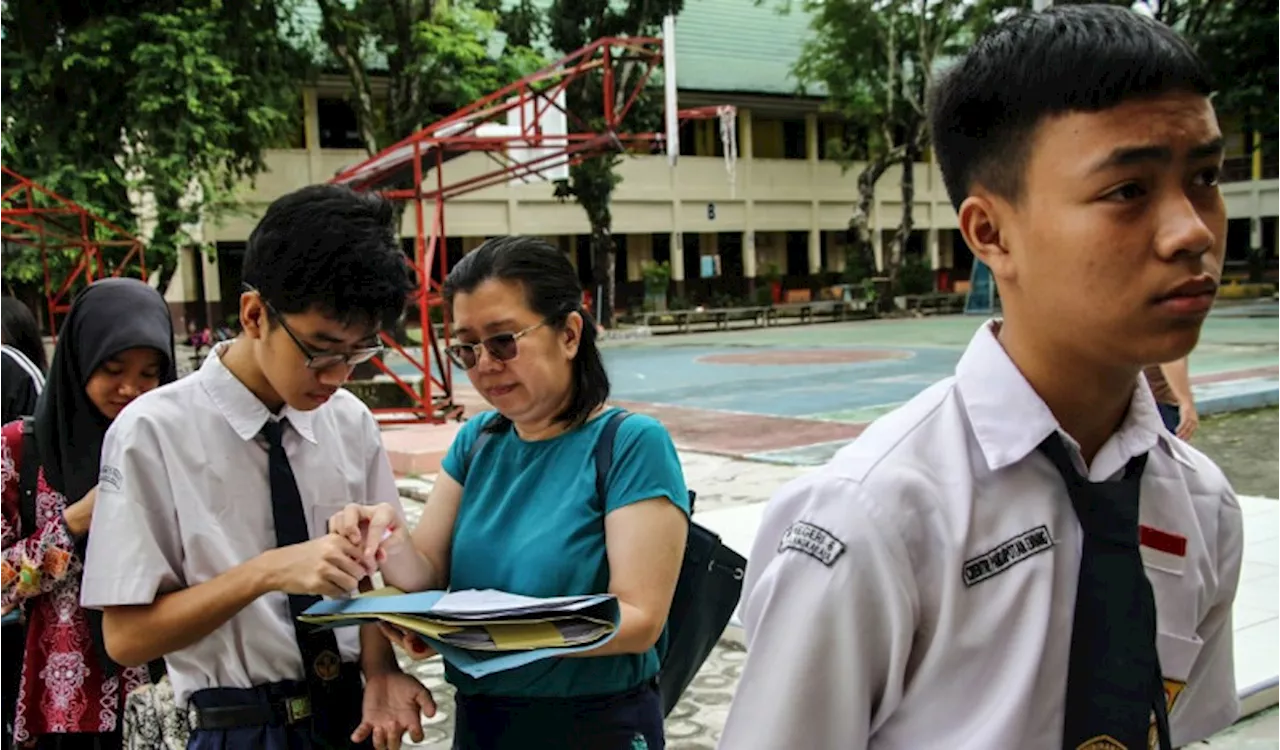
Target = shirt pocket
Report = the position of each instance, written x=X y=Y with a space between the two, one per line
x=320 y=515
x=1178 y=655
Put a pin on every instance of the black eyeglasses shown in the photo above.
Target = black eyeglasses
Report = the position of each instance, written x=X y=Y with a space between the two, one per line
x=321 y=360
x=501 y=346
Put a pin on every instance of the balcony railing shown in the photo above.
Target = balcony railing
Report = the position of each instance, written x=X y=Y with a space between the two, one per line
x=1240 y=168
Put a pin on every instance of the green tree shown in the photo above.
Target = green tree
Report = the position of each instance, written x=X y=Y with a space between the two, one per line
x=150 y=112
x=434 y=57
x=1238 y=42
x=573 y=25
x=875 y=60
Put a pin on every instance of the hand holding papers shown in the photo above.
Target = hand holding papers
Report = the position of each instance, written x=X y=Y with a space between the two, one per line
x=482 y=632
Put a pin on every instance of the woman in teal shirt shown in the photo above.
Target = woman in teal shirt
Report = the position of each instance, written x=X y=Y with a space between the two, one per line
x=522 y=514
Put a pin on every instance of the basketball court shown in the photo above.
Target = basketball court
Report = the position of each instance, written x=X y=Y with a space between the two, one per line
x=794 y=394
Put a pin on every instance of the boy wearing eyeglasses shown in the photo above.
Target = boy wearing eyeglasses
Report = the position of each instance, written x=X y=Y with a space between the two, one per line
x=209 y=536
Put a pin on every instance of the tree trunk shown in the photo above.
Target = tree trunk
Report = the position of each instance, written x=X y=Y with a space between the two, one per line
x=898 y=248
x=604 y=259
x=860 y=261
x=592 y=183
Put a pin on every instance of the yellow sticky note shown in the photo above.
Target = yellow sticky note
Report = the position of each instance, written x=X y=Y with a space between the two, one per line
x=525 y=636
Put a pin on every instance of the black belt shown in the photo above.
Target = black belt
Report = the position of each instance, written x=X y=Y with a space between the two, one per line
x=282 y=712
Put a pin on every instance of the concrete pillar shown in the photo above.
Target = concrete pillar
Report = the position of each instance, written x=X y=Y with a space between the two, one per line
x=877 y=245
x=311 y=134
x=811 y=137
x=1256 y=171
x=745 y=152
x=815 y=241
x=677 y=257
x=931 y=242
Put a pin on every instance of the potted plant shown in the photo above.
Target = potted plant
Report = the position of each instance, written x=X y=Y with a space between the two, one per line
x=773 y=277
x=657 y=279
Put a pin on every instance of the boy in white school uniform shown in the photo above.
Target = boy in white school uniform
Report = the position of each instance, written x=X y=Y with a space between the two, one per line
x=976 y=570
x=210 y=535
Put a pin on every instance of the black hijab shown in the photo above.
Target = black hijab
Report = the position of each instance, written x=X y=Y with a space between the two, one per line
x=110 y=316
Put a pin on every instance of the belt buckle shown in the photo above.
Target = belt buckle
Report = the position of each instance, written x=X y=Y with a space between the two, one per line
x=297 y=709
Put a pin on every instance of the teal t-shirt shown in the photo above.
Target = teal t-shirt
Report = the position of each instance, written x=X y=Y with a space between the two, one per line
x=530 y=523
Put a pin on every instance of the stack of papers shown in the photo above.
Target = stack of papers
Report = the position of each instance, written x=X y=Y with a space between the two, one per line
x=482 y=632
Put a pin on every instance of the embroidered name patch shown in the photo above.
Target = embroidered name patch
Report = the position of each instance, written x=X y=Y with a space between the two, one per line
x=1008 y=554
x=814 y=541
x=110 y=478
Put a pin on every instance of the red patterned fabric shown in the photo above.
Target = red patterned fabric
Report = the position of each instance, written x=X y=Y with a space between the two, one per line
x=64 y=688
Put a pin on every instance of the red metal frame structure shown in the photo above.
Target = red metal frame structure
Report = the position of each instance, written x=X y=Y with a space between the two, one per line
x=398 y=172
x=33 y=215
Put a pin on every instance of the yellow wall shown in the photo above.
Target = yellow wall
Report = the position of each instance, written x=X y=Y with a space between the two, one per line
x=767 y=196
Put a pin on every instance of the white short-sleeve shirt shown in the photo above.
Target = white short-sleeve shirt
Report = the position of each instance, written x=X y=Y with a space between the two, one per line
x=184 y=496
x=918 y=591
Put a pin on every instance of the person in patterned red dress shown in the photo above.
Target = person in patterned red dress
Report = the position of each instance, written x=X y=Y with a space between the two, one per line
x=116 y=344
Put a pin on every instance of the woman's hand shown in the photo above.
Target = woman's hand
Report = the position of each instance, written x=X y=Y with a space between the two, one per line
x=378 y=530
x=411 y=643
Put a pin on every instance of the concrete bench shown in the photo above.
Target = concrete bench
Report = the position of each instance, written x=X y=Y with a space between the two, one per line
x=684 y=320
x=807 y=311
x=935 y=302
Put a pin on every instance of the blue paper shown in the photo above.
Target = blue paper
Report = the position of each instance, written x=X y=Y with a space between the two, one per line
x=475 y=664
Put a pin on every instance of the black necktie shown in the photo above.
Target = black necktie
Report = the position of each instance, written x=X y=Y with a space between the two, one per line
x=320 y=655
x=1114 y=682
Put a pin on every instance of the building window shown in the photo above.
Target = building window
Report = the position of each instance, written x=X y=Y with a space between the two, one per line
x=793 y=141
x=339 y=127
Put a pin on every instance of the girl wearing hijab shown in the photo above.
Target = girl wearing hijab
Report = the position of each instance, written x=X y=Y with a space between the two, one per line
x=22 y=360
x=116 y=344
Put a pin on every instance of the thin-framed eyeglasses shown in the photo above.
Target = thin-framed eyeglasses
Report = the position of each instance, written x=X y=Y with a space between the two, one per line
x=503 y=347
x=321 y=360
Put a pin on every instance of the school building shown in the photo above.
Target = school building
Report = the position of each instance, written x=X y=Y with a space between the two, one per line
x=781 y=211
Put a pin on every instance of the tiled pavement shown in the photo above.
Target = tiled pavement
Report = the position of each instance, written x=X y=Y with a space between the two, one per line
x=729 y=487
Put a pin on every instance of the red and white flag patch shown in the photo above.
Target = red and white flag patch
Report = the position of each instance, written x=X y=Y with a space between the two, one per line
x=1162 y=550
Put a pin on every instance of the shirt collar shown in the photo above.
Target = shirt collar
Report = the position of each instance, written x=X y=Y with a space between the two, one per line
x=1010 y=420
x=244 y=411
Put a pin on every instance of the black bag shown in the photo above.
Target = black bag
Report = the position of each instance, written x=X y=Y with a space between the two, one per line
x=707 y=590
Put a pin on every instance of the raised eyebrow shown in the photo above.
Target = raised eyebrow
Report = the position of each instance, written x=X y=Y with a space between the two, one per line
x=1213 y=149
x=1129 y=156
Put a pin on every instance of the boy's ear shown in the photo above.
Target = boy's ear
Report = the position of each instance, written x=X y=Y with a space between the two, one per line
x=253 y=315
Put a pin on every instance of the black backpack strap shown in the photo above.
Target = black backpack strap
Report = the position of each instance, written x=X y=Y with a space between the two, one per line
x=481 y=439
x=486 y=434
x=28 y=477
x=604 y=458
x=604 y=454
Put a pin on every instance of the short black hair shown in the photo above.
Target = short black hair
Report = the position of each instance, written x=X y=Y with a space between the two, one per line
x=331 y=249
x=984 y=111
x=18 y=329
x=552 y=290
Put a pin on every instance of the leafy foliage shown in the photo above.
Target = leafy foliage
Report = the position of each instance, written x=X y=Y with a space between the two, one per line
x=149 y=113
x=436 y=58
x=876 y=59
